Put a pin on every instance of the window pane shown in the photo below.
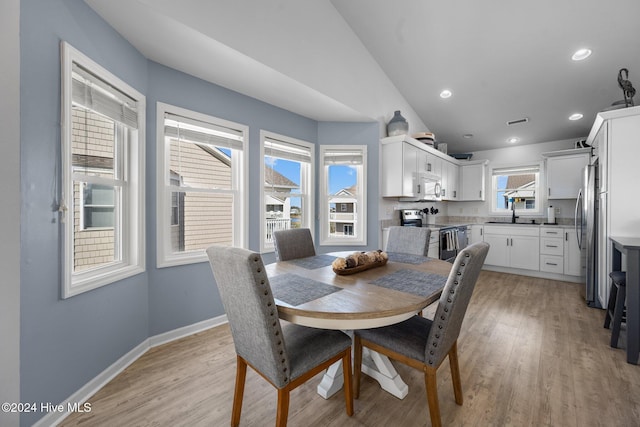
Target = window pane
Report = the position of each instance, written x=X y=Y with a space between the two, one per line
x=516 y=191
x=343 y=203
x=282 y=213
x=93 y=141
x=94 y=241
x=98 y=205
x=200 y=165
x=202 y=219
x=282 y=175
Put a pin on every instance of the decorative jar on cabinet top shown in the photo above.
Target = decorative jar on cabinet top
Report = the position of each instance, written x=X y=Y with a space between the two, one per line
x=397 y=125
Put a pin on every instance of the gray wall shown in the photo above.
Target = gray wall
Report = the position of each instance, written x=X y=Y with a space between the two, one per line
x=10 y=190
x=66 y=343
x=174 y=301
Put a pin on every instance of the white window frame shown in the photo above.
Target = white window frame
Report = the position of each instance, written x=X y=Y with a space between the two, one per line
x=306 y=185
x=131 y=220
x=166 y=257
x=360 y=228
x=539 y=199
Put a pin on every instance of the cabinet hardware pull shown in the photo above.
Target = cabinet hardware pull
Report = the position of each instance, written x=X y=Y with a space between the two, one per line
x=566 y=236
x=549 y=190
x=418 y=188
x=552 y=246
x=551 y=263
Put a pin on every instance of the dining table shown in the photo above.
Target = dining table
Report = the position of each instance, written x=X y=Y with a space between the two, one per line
x=308 y=291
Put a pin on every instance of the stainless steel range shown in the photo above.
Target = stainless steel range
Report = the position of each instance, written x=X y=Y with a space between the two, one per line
x=411 y=218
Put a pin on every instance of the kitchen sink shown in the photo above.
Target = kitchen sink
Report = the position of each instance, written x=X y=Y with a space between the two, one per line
x=510 y=223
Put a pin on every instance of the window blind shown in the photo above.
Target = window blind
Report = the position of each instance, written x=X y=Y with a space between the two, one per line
x=343 y=157
x=521 y=170
x=286 y=150
x=97 y=95
x=201 y=132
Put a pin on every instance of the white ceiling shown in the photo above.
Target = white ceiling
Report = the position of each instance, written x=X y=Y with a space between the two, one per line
x=358 y=60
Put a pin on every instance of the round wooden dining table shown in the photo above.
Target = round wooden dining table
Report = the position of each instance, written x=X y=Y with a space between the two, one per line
x=308 y=292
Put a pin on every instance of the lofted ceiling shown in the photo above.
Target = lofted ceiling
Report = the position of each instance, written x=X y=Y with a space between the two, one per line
x=358 y=60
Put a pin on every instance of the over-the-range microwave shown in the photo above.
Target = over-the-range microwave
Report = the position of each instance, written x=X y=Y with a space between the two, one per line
x=428 y=188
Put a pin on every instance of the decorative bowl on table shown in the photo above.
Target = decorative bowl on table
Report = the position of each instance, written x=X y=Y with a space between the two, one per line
x=359 y=261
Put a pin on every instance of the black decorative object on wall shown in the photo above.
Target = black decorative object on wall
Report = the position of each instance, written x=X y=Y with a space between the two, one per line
x=626 y=86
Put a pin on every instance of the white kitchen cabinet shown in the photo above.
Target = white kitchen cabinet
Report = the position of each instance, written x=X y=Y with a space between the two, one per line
x=476 y=233
x=564 y=172
x=450 y=181
x=404 y=159
x=453 y=175
x=615 y=133
x=552 y=250
x=400 y=167
x=434 y=244
x=472 y=180
x=513 y=246
x=572 y=254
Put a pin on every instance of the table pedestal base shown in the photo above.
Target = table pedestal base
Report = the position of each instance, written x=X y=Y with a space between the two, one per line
x=374 y=364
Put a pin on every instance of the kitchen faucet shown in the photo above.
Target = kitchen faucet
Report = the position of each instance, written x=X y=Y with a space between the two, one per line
x=513 y=212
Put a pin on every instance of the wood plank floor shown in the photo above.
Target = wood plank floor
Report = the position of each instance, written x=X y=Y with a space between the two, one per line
x=531 y=354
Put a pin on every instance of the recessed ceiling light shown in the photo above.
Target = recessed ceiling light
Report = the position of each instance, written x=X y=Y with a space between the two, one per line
x=575 y=116
x=581 y=54
x=467 y=135
x=513 y=140
x=446 y=94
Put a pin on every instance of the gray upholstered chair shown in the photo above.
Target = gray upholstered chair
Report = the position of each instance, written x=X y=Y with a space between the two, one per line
x=409 y=240
x=286 y=356
x=422 y=343
x=293 y=243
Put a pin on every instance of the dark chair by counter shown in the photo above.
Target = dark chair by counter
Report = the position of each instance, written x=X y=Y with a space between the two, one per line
x=424 y=344
x=293 y=243
x=409 y=240
x=286 y=356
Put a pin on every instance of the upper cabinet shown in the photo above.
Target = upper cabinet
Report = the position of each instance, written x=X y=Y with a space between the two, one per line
x=472 y=180
x=450 y=181
x=402 y=163
x=565 y=172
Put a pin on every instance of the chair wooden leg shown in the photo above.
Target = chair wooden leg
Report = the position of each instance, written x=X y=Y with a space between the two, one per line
x=432 y=395
x=348 y=386
x=283 y=407
x=241 y=375
x=455 y=373
x=357 y=364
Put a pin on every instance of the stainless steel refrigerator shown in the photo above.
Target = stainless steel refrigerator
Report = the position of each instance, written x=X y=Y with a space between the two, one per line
x=586 y=222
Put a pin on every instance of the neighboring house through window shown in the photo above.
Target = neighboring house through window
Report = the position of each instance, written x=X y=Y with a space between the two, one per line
x=200 y=185
x=343 y=218
x=287 y=176
x=102 y=201
x=516 y=187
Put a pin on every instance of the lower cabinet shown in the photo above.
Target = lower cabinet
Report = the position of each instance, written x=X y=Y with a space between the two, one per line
x=513 y=246
x=559 y=251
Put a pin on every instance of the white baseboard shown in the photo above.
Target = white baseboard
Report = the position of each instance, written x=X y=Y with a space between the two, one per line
x=89 y=389
x=535 y=273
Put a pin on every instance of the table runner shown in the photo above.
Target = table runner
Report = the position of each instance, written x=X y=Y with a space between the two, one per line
x=412 y=282
x=313 y=262
x=407 y=258
x=296 y=290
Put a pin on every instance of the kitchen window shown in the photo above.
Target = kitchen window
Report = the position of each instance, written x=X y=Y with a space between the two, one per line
x=343 y=217
x=102 y=197
x=516 y=187
x=286 y=172
x=201 y=196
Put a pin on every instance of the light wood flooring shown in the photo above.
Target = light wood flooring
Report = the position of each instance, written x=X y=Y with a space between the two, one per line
x=531 y=354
